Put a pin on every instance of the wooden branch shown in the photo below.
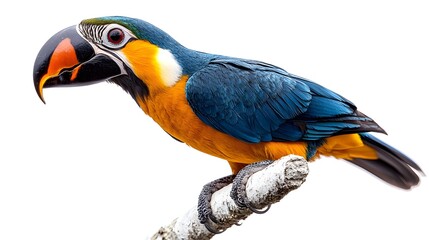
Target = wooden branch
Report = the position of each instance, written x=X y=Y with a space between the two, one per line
x=263 y=188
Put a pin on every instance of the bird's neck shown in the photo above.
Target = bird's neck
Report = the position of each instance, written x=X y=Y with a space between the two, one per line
x=191 y=60
x=169 y=109
x=160 y=68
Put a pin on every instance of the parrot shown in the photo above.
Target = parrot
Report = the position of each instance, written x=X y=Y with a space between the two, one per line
x=247 y=112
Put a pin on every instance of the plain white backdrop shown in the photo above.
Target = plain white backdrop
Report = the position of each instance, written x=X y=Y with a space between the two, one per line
x=90 y=165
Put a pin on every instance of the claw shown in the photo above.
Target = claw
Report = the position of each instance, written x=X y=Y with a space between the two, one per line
x=239 y=202
x=238 y=191
x=239 y=223
x=259 y=211
x=213 y=219
x=210 y=228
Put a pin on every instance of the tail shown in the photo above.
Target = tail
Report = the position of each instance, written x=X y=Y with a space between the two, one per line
x=391 y=165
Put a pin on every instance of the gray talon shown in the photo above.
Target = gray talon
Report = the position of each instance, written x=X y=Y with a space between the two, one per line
x=238 y=190
x=259 y=211
x=213 y=230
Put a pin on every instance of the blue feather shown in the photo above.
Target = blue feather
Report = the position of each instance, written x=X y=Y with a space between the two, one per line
x=322 y=107
x=247 y=100
x=254 y=101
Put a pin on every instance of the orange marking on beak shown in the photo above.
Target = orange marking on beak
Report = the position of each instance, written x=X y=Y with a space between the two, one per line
x=74 y=73
x=64 y=56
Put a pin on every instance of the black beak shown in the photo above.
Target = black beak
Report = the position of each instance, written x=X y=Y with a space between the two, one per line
x=67 y=59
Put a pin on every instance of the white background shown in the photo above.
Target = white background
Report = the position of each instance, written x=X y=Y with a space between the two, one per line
x=90 y=165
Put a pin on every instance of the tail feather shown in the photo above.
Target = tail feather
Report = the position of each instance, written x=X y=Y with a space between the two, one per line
x=391 y=166
x=371 y=140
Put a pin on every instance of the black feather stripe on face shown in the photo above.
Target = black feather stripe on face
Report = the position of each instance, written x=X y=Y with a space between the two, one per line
x=92 y=32
x=131 y=84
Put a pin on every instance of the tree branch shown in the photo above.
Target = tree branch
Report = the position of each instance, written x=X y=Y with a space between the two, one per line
x=263 y=188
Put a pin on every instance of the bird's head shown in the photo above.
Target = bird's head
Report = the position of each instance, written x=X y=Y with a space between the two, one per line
x=130 y=52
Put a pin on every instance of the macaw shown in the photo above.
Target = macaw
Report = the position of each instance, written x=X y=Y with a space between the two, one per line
x=246 y=112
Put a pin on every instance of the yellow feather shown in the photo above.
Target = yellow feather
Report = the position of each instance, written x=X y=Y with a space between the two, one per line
x=141 y=55
x=347 y=147
x=170 y=109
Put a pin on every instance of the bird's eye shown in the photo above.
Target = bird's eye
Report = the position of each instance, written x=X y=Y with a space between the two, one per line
x=115 y=36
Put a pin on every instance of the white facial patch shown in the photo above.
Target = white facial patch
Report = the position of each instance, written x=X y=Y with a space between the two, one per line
x=170 y=69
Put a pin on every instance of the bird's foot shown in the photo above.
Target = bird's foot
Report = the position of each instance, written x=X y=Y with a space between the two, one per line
x=238 y=190
x=238 y=194
x=205 y=214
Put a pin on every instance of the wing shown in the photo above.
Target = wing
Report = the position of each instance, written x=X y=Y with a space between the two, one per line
x=254 y=101
x=329 y=114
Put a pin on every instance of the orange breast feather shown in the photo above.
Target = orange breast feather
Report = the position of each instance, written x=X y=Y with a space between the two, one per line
x=170 y=109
